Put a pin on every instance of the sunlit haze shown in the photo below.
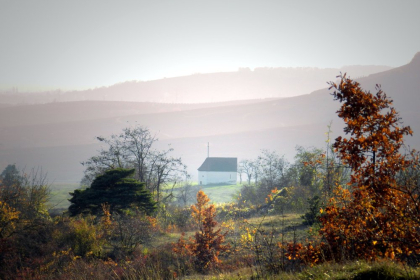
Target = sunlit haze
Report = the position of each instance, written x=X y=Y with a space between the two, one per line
x=85 y=44
x=241 y=75
x=228 y=139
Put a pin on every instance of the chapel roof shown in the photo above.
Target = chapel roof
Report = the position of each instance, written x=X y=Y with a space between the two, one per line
x=219 y=164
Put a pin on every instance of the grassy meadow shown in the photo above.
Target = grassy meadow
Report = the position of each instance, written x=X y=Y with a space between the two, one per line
x=357 y=270
x=221 y=193
x=218 y=194
x=59 y=194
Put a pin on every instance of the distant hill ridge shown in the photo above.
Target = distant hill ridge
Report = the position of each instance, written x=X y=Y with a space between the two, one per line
x=263 y=82
x=416 y=58
x=236 y=129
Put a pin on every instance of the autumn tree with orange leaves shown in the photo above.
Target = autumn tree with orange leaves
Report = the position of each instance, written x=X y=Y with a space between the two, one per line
x=207 y=245
x=373 y=216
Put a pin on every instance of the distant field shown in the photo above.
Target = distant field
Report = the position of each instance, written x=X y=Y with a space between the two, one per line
x=221 y=194
x=216 y=193
x=60 y=194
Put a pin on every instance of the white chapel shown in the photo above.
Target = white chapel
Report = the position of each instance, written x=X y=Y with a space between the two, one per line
x=217 y=170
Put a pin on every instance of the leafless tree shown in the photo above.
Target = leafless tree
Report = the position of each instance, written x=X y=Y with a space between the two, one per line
x=247 y=167
x=186 y=194
x=133 y=148
x=273 y=168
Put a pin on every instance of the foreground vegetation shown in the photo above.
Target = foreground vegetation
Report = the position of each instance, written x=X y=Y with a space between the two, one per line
x=349 y=212
x=356 y=270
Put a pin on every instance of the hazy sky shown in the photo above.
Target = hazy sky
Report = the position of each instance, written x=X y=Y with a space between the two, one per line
x=79 y=44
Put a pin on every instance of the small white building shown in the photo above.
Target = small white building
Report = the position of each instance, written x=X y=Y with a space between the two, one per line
x=216 y=170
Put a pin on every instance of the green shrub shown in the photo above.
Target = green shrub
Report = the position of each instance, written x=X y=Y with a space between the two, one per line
x=84 y=237
x=312 y=215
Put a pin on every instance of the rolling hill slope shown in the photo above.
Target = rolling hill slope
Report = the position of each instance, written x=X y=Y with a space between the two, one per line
x=263 y=82
x=233 y=129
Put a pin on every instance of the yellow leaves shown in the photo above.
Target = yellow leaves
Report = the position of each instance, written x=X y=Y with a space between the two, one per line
x=110 y=262
x=61 y=253
x=8 y=218
x=229 y=225
x=390 y=254
x=248 y=237
x=7 y=213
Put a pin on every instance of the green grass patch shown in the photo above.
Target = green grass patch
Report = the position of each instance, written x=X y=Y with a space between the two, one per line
x=221 y=193
x=356 y=270
x=216 y=193
x=289 y=225
x=360 y=270
x=170 y=186
x=60 y=194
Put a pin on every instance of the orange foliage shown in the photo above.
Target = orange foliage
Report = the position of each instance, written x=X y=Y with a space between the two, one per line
x=207 y=244
x=374 y=216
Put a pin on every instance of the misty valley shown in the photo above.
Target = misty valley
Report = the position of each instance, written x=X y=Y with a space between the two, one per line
x=270 y=173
